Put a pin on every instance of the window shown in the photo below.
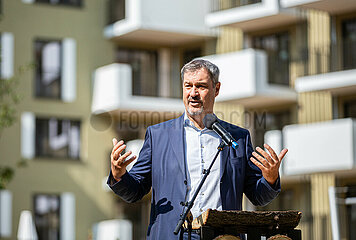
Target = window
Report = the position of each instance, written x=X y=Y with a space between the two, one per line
x=190 y=54
x=144 y=64
x=55 y=69
x=350 y=109
x=47 y=216
x=349 y=43
x=57 y=138
x=351 y=212
x=76 y=3
x=277 y=49
x=48 y=68
x=116 y=10
x=267 y=121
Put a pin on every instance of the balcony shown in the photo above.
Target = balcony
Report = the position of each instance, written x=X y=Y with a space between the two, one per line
x=250 y=15
x=320 y=147
x=331 y=68
x=172 y=23
x=113 y=91
x=331 y=6
x=244 y=77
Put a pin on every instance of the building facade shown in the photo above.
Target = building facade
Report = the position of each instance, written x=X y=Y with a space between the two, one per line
x=52 y=48
x=110 y=68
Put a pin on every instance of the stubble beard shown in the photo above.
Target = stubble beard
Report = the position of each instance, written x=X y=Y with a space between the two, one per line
x=195 y=113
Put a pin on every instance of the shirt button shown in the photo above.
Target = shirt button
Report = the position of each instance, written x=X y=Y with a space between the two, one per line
x=201 y=210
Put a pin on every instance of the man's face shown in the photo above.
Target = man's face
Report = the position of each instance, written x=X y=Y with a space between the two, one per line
x=199 y=92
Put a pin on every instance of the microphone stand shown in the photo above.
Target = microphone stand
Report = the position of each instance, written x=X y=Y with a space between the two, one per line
x=191 y=202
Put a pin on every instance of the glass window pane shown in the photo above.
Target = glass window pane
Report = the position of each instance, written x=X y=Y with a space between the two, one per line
x=57 y=138
x=48 y=68
x=144 y=64
x=46 y=212
x=349 y=43
x=277 y=48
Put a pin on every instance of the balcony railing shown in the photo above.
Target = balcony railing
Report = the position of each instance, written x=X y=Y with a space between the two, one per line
x=219 y=5
x=278 y=67
x=116 y=10
x=328 y=58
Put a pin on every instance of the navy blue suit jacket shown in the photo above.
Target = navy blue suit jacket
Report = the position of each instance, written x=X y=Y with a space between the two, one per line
x=162 y=165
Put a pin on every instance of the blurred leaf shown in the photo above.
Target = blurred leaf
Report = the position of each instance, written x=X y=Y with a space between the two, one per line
x=22 y=163
x=6 y=175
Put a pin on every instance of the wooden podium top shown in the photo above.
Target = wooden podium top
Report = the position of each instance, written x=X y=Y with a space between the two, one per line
x=243 y=220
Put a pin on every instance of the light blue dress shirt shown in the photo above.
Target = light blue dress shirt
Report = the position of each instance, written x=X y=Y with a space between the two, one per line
x=201 y=147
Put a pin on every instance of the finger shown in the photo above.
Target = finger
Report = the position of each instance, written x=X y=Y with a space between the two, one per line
x=258 y=164
x=127 y=162
x=261 y=159
x=118 y=152
x=120 y=143
x=282 y=154
x=114 y=141
x=271 y=151
x=123 y=157
x=265 y=155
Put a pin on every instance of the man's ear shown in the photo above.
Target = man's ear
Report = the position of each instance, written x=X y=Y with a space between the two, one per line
x=217 y=89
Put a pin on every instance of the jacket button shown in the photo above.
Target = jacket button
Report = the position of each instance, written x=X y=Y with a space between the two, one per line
x=185 y=182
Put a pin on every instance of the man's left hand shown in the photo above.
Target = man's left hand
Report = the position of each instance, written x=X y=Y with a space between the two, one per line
x=268 y=163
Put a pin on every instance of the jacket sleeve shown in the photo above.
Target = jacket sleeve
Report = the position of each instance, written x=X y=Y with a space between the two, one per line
x=256 y=187
x=136 y=183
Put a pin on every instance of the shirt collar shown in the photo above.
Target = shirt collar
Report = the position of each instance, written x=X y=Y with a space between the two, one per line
x=188 y=123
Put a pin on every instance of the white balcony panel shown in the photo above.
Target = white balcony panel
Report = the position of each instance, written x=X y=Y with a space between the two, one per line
x=274 y=139
x=113 y=91
x=135 y=147
x=337 y=82
x=173 y=22
x=244 y=80
x=320 y=147
x=253 y=17
x=113 y=230
x=331 y=6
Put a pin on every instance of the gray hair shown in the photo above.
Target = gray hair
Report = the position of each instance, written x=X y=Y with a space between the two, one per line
x=197 y=64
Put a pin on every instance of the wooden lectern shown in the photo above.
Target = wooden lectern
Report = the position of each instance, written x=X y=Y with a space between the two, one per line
x=255 y=224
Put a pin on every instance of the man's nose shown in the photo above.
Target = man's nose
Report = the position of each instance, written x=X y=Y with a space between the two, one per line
x=194 y=92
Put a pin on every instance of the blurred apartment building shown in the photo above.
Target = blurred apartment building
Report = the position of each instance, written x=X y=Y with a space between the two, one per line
x=111 y=68
x=58 y=45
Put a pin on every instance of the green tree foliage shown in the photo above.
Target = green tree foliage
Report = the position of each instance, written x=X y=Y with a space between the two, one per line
x=9 y=98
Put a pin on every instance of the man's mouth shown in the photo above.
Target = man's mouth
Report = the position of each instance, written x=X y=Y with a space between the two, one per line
x=196 y=103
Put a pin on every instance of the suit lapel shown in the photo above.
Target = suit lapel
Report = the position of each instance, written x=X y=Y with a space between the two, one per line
x=223 y=159
x=177 y=142
x=224 y=154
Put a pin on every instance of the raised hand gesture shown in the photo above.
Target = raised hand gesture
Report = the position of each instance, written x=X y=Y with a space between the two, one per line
x=118 y=161
x=268 y=163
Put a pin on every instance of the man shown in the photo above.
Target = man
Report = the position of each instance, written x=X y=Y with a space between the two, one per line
x=176 y=152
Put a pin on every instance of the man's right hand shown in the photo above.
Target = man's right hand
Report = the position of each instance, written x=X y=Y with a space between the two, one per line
x=118 y=161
